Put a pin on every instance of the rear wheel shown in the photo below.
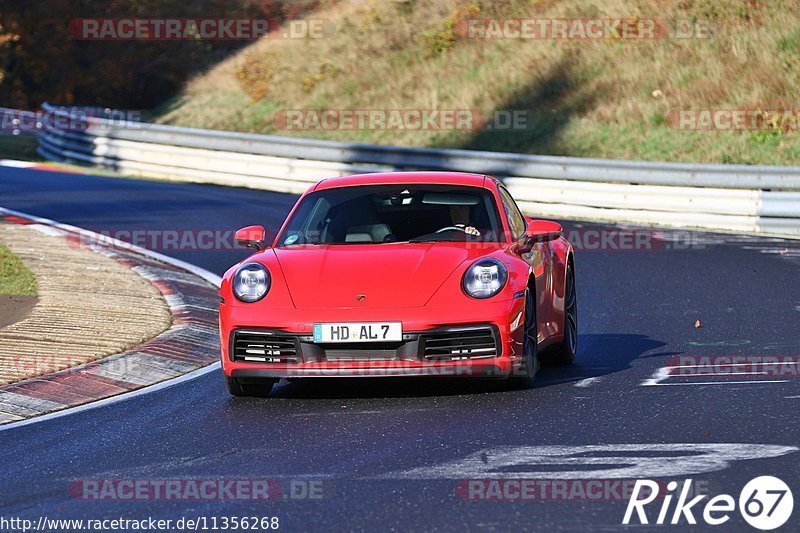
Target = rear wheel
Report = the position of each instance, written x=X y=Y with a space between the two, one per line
x=524 y=376
x=564 y=353
x=259 y=389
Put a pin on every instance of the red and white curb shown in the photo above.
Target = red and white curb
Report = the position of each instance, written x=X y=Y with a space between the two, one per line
x=13 y=163
x=188 y=349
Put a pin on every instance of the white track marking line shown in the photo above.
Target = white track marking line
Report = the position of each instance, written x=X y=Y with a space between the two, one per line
x=736 y=364
x=722 y=382
x=701 y=374
x=16 y=164
x=48 y=230
x=603 y=461
x=588 y=382
x=664 y=373
x=114 y=399
x=658 y=376
x=196 y=270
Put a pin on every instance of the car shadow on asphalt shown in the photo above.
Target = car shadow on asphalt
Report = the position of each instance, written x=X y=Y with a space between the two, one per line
x=598 y=355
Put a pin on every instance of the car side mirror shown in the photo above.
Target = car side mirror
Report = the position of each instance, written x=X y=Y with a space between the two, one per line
x=540 y=231
x=252 y=237
x=544 y=230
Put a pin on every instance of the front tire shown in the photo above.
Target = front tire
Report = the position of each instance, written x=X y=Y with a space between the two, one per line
x=564 y=353
x=524 y=376
x=257 y=389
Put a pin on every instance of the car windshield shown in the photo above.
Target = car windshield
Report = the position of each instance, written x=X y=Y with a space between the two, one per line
x=394 y=213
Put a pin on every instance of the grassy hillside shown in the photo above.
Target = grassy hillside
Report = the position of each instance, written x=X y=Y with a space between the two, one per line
x=15 y=278
x=608 y=97
x=43 y=57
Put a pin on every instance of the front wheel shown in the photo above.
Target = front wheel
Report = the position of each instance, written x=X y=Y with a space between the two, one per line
x=259 y=389
x=564 y=353
x=524 y=376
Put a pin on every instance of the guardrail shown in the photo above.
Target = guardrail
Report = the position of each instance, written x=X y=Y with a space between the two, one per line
x=763 y=199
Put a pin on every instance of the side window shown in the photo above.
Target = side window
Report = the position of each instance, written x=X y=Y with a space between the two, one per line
x=515 y=219
x=316 y=221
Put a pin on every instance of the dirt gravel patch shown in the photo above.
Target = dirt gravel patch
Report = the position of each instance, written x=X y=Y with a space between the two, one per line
x=89 y=306
x=14 y=308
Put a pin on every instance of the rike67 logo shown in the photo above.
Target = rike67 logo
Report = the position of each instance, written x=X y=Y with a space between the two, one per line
x=765 y=503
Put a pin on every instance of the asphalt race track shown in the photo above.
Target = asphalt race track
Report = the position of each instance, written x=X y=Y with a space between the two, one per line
x=394 y=452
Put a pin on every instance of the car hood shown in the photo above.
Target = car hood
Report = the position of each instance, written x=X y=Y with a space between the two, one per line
x=385 y=275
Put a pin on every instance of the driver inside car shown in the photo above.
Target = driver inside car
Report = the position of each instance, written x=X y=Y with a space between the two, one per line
x=459 y=214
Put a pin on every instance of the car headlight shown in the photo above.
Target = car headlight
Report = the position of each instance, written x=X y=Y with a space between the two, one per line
x=485 y=278
x=251 y=282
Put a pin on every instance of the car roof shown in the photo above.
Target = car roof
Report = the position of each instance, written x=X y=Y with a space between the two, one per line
x=399 y=178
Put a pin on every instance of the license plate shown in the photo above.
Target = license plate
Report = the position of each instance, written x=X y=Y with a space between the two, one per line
x=358 y=332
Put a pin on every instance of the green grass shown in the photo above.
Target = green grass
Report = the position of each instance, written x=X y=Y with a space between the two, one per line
x=20 y=147
x=597 y=98
x=15 y=278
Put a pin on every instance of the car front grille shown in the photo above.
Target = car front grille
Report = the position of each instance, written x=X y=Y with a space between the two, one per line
x=264 y=347
x=446 y=344
x=466 y=344
x=378 y=351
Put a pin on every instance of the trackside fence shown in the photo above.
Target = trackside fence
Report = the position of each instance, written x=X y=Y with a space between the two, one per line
x=760 y=199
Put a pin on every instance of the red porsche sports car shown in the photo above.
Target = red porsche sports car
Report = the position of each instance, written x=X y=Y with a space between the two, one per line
x=399 y=274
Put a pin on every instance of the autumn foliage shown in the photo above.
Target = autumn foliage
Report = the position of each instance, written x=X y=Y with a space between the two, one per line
x=41 y=61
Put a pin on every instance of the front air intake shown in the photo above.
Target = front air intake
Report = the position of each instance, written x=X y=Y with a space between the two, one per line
x=263 y=347
x=455 y=345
